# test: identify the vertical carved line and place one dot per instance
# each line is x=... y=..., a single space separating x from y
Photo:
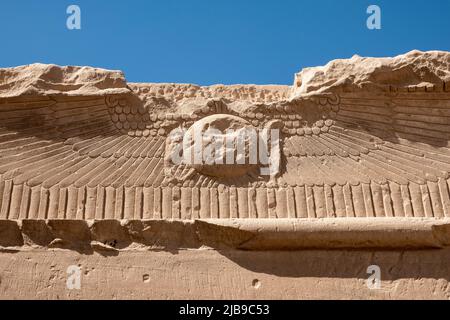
x=72 y=199
x=368 y=202
x=16 y=198
x=186 y=203
x=91 y=198
x=214 y=197
x=205 y=203
x=43 y=203
x=148 y=203
x=261 y=203
x=436 y=203
x=387 y=200
x=426 y=201
x=195 y=203
x=62 y=204
x=310 y=202
x=242 y=203
x=350 y=212
x=397 y=199
x=281 y=199
x=339 y=201
x=166 y=203
x=53 y=202
x=290 y=202
x=329 y=203
x=100 y=203
x=319 y=202
x=224 y=202
x=377 y=196
x=25 y=203
x=6 y=199
x=110 y=202
x=271 y=203
x=120 y=203
x=138 y=203
x=233 y=203
x=158 y=203
x=252 y=203
x=358 y=201
x=130 y=194
x=300 y=202
x=176 y=202
x=407 y=204
x=2 y=189
x=34 y=205
x=416 y=200
x=443 y=189
x=81 y=203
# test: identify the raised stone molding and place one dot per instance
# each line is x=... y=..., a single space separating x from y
x=89 y=236
x=361 y=139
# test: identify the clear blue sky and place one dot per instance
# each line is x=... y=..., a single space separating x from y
x=211 y=41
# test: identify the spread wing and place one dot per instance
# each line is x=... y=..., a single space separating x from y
x=73 y=142
x=383 y=155
x=56 y=152
x=343 y=156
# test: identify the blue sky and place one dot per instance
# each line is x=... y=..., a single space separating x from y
x=210 y=41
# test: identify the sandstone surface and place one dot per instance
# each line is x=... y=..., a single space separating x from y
x=356 y=174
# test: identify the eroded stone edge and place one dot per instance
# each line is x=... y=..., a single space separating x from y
x=113 y=236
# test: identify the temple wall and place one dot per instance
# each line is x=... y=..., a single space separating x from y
x=336 y=187
x=230 y=274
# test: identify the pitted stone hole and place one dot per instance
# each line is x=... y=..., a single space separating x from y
x=256 y=284
x=111 y=243
x=146 y=278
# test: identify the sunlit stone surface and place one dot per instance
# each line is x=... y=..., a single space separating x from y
x=362 y=162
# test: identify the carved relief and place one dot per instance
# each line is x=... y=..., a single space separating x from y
x=351 y=149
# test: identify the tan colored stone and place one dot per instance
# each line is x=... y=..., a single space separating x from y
x=415 y=69
x=363 y=163
x=43 y=79
x=234 y=275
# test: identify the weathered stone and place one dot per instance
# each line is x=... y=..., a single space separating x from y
x=360 y=160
